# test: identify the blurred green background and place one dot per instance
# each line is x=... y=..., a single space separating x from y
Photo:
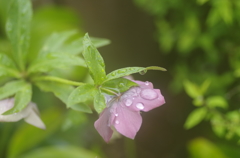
x=195 y=40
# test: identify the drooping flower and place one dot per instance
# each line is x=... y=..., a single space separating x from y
x=123 y=113
x=30 y=113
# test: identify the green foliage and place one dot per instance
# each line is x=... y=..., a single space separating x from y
x=36 y=56
x=18 y=29
x=61 y=91
x=111 y=84
x=203 y=36
x=94 y=61
x=51 y=117
x=131 y=70
x=195 y=117
x=217 y=101
x=11 y=88
x=82 y=94
x=60 y=152
x=7 y=67
x=21 y=100
x=118 y=85
x=202 y=148
x=99 y=102
x=54 y=56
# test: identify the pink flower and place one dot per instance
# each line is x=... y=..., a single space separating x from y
x=30 y=113
x=123 y=113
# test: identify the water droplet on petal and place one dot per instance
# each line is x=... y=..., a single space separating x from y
x=149 y=94
x=140 y=106
x=128 y=102
x=146 y=83
x=117 y=122
x=116 y=114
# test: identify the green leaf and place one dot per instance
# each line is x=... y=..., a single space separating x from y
x=60 y=152
x=203 y=148
x=225 y=10
x=191 y=89
x=21 y=100
x=234 y=116
x=199 y=101
x=195 y=117
x=118 y=85
x=55 y=61
x=18 y=28
x=81 y=107
x=11 y=88
x=131 y=70
x=32 y=136
x=74 y=119
x=55 y=54
x=82 y=94
x=76 y=46
x=201 y=2
x=216 y=101
x=7 y=67
x=99 y=42
x=62 y=91
x=204 y=87
x=94 y=61
x=99 y=102
x=54 y=42
x=218 y=125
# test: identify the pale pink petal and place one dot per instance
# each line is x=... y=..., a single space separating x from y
x=6 y=105
x=33 y=117
x=127 y=122
x=30 y=113
x=103 y=125
x=142 y=98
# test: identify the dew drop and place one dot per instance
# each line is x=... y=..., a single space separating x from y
x=140 y=106
x=117 y=122
x=143 y=72
x=121 y=85
x=113 y=74
x=149 y=94
x=116 y=114
x=128 y=102
x=122 y=71
x=146 y=83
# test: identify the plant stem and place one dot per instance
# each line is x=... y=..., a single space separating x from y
x=57 y=79
x=109 y=91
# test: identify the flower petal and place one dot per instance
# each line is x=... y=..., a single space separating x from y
x=143 y=98
x=33 y=117
x=127 y=122
x=102 y=125
x=30 y=113
x=6 y=105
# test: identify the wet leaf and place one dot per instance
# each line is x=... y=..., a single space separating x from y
x=94 y=61
x=11 y=88
x=118 y=85
x=18 y=29
x=99 y=102
x=82 y=94
x=21 y=99
x=131 y=70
